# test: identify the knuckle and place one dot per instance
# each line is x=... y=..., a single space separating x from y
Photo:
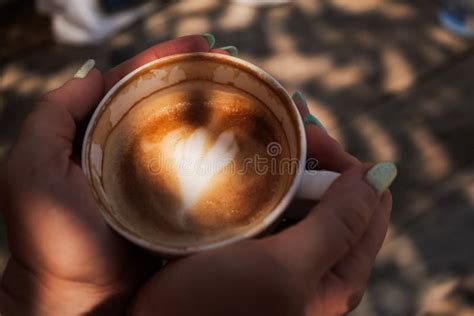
x=354 y=219
x=368 y=195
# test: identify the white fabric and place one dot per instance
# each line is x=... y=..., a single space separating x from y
x=83 y=22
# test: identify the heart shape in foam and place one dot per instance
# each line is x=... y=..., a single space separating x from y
x=196 y=163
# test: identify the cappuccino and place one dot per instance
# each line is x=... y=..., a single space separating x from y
x=190 y=164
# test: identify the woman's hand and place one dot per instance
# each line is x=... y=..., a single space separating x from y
x=65 y=260
x=319 y=266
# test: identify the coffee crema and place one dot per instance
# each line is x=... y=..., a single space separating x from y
x=190 y=164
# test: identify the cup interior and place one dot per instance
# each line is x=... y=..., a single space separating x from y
x=171 y=71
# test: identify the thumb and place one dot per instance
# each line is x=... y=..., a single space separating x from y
x=337 y=223
x=56 y=116
x=79 y=96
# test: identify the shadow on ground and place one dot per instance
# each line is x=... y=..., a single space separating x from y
x=389 y=83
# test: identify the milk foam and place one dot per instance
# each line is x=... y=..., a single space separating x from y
x=172 y=165
x=195 y=164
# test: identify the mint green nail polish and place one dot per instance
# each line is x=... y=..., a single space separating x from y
x=311 y=119
x=211 y=40
x=232 y=50
x=381 y=176
x=298 y=95
x=85 y=69
x=308 y=118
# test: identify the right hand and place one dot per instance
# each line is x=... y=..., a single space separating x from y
x=319 y=266
x=65 y=259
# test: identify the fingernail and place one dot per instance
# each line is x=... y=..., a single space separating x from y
x=381 y=176
x=211 y=40
x=232 y=50
x=311 y=119
x=308 y=118
x=298 y=95
x=85 y=69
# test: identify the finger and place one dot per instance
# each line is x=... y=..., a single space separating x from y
x=321 y=146
x=185 y=44
x=219 y=51
x=54 y=119
x=347 y=280
x=336 y=224
x=355 y=267
x=78 y=97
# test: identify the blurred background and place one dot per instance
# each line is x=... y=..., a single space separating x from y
x=391 y=80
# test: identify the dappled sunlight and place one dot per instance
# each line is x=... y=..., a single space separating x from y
x=399 y=75
x=282 y=45
x=277 y=19
x=30 y=85
x=401 y=251
x=434 y=160
x=397 y=10
x=311 y=7
x=445 y=297
x=344 y=77
x=237 y=17
x=192 y=25
x=445 y=38
x=194 y=7
x=302 y=69
x=20 y=80
x=379 y=142
x=329 y=119
x=359 y=6
x=435 y=297
x=11 y=75
x=386 y=80
x=157 y=24
x=17 y=79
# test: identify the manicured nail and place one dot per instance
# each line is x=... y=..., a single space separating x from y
x=85 y=69
x=308 y=118
x=211 y=40
x=232 y=50
x=381 y=176
x=298 y=95
x=311 y=119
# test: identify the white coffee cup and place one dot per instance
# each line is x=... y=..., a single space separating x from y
x=218 y=68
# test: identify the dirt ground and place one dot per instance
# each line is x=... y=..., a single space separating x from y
x=383 y=76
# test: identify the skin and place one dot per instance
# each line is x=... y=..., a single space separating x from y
x=65 y=260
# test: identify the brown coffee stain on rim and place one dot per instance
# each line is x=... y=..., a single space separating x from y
x=261 y=75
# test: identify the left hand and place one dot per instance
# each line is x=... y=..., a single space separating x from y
x=65 y=260
x=318 y=267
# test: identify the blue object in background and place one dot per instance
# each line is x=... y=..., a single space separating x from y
x=458 y=16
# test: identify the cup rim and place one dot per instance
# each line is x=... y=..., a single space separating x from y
x=269 y=219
